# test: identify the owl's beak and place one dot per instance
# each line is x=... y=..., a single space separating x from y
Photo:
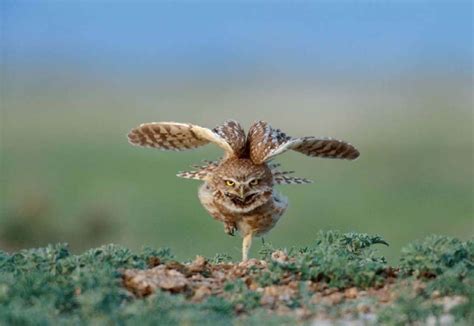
x=241 y=192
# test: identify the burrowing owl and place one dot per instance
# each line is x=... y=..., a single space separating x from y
x=238 y=189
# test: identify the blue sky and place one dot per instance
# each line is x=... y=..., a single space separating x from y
x=200 y=37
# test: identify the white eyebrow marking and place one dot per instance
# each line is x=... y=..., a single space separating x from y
x=251 y=179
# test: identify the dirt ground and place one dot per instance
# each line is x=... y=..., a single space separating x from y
x=307 y=300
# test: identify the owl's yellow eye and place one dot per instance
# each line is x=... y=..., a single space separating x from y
x=254 y=182
x=229 y=183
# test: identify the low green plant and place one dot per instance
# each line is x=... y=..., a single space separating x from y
x=340 y=259
x=447 y=263
x=437 y=255
x=53 y=286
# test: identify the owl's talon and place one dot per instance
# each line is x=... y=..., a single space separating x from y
x=230 y=229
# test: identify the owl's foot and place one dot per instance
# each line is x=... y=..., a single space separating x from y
x=230 y=229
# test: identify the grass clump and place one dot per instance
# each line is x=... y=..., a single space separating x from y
x=437 y=255
x=446 y=263
x=339 y=259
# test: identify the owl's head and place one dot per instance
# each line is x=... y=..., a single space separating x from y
x=242 y=185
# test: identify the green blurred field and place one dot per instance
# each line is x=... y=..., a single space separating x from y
x=69 y=175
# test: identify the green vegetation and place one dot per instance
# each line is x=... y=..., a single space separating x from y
x=339 y=276
x=340 y=260
x=446 y=266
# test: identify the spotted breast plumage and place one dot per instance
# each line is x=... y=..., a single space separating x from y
x=238 y=190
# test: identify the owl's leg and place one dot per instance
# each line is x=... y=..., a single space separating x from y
x=246 y=243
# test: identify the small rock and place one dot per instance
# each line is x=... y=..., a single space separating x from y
x=171 y=280
x=198 y=265
x=148 y=281
x=351 y=293
x=436 y=294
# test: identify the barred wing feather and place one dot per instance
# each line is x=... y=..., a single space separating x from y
x=266 y=142
x=183 y=136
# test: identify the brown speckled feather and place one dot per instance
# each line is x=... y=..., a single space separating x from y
x=167 y=136
x=266 y=142
x=181 y=136
x=325 y=147
x=234 y=135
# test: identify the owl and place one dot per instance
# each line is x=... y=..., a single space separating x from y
x=238 y=190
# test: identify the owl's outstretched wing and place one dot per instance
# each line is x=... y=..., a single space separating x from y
x=266 y=142
x=181 y=136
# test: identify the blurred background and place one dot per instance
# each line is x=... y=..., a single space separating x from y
x=392 y=77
